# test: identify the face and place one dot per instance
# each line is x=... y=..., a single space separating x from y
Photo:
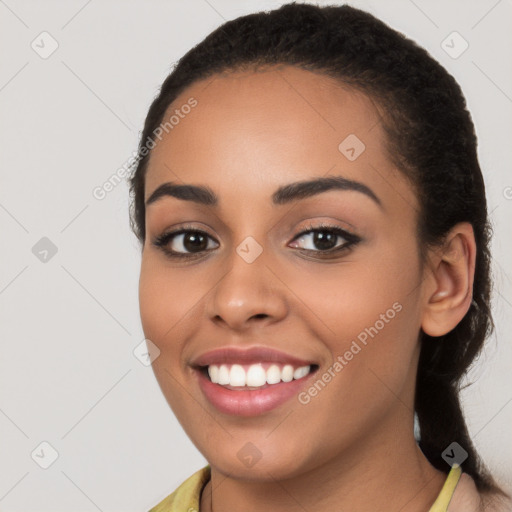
x=326 y=274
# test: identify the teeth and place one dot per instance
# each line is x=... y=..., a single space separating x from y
x=273 y=374
x=237 y=376
x=301 y=372
x=287 y=374
x=254 y=375
x=223 y=375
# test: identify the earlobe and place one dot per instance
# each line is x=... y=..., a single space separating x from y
x=450 y=282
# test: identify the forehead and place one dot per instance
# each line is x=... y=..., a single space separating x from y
x=260 y=129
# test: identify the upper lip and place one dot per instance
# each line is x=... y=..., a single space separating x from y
x=232 y=355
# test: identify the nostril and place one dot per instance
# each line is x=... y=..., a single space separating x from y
x=260 y=315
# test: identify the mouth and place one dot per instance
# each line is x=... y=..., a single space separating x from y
x=243 y=377
x=252 y=389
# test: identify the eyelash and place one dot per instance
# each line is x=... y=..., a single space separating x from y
x=351 y=240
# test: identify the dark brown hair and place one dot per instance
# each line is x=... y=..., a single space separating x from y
x=430 y=138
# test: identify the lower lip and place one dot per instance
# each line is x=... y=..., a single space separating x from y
x=250 y=402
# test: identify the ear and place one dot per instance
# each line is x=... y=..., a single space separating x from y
x=449 y=282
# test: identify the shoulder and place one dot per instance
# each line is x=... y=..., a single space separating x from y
x=187 y=495
x=466 y=497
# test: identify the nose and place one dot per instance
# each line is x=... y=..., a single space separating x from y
x=248 y=295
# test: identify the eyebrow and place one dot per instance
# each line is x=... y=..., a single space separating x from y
x=283 y=195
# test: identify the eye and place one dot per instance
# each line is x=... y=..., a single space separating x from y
x=325 y=239
x=185 y=242
x=190 y=242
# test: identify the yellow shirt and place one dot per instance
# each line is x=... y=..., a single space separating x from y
x=186 y=497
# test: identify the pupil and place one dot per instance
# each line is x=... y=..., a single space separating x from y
x=195 y=241
x=325 y=240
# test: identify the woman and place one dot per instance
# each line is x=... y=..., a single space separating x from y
x=315 y=267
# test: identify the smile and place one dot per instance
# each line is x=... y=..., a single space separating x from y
x=251 y=390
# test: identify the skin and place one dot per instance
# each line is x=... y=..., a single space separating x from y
x=250 y=133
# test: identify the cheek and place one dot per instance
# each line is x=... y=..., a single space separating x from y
x=167 y=302
x=169 y=299
x=352 y=296
x=367 y=314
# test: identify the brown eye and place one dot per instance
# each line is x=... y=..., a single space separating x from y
x=324 y=239
x=193 y=241
x=183 y=242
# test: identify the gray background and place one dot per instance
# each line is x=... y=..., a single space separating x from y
x=69 y=324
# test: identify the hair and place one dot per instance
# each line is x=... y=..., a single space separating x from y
x=430 y=138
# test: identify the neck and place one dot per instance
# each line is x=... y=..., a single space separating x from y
x=387 y=472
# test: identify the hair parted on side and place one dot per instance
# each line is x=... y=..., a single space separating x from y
x=430 y=138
